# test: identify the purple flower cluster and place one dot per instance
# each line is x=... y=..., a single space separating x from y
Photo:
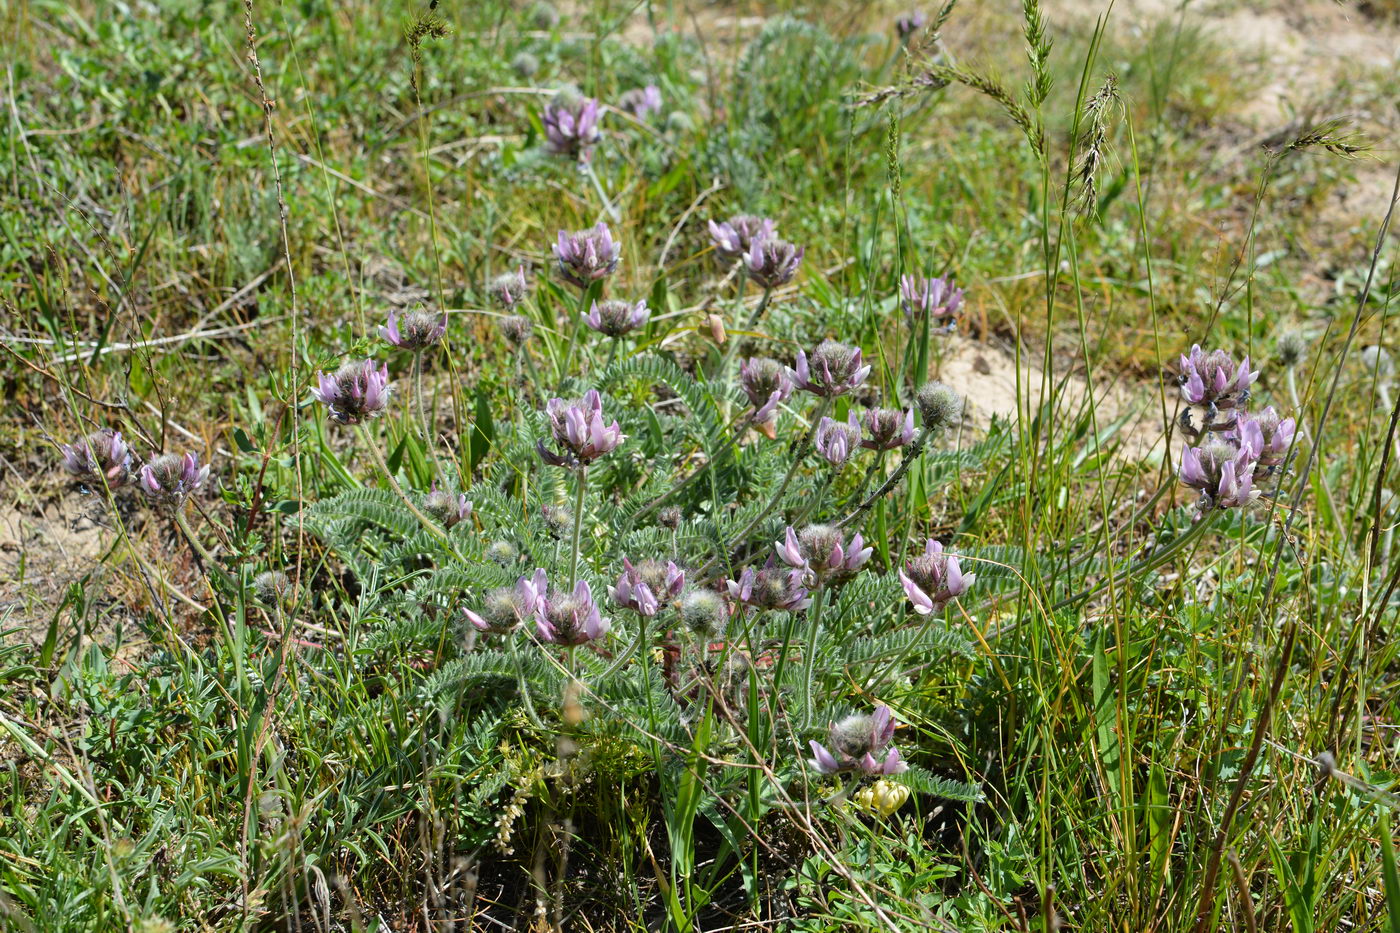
x=1230 y=468
x=772 y=587
x=771 y=262
x=561 y=618
x=418 y=330
x=837 y=440
x=1240 y=454
x=734 y=237
x=834 y=369
x=641 y=101
x=648 y=586
x=909 y=23
x=445 y=507
x=585 y=256
x=617 y=318
x=354 y=393
x=506 y=608
x=767 y=384
x=567 y=618
x=823 y=551
x=578 y=428
x=889 y=428
x=571 y=125
x=100 y=457
x=934 y=579
x=929 y=297
x=1215 y=382
x=858 y=744
x=509 y=288
x=170 y=479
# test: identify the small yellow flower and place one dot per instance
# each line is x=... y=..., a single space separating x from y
x=882 y=797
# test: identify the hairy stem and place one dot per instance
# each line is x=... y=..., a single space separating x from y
x=801 y=454
x=578 y=523
x=809 y=662
x=378 y=456
x=727 y=360
x=912 y=454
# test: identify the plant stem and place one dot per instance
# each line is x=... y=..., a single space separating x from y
x=728 y=359
x=809 y=661
x=428 y=441
x=801 y=454
x=608 y=207
x=433 y=527
x=199 y=549
x=626 y=655
x=915 y=450
x=578 y=523
x=577 y=332
x=524 y=687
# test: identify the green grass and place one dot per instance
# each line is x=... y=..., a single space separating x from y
x=176 y=753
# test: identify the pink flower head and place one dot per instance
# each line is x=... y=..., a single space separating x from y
x=508 y=606
x=571 y=125
x=579 y=429
x=445 y=507
x=930 y=297
x=617 y=318
x=767 y=384
x=836 y=440
x=772 y=587
x=100 y=457
x=909 y=23
x=170 y=479
x=1214 y=378
x=834 y=369
x=1223 y=469
x=934 y=579
x=509 y=288
x=418 y=330
x=584 y=256
x=771 y=262
x=641 y=101
x=569 y=618
x=860 y=743
x=733 y=238
x=822 y=550
x=648 y=586
x=889 y=428
x=1267 y=434
x=355 y=392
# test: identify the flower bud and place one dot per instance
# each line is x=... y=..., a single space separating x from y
x=272 y=588
x=1291 y=349
x=445 y=507
x=515 y=328
x=939 y=405
x=524 y=65
x=704 y=612
x=502 y=552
